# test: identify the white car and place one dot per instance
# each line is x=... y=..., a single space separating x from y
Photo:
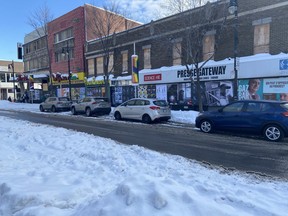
x=55 y=104
x=91 y=105
x=143 y=109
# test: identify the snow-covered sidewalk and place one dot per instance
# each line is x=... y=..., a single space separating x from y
x=53 y=171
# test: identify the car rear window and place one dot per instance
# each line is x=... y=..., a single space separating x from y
x=284 y=105
x=161 y=103
x=101 y=99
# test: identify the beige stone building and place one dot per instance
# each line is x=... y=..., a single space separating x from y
x=10 y=87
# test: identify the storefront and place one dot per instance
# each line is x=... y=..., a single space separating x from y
x=122 y=90
x=61 y=83
x=262 y=76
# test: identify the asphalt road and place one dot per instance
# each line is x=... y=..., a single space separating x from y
x=233 y=152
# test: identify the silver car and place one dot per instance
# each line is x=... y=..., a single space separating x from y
x=143 y=109
x=91 y=105
x=55 y=104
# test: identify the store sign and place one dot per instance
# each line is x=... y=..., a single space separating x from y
x=152 y=77
x=209 y=72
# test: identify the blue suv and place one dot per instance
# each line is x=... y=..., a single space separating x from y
x=264 y=117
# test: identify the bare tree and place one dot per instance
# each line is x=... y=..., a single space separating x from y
x=39 y=20
x=196 y=24
x=104 y=24
x=170 y=7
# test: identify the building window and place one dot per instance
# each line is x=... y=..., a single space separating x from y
x=99 y=62
x=111 y=63
x=124 y=61
x=63 y=35
x=177 y=53
x=261 y=38
x=208 y=46
x=61 y=53
x=262 y=35
x=91 y=67
x=147 y=56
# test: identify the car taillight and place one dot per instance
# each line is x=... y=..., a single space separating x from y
x=285 y=114
x=154 y=107
x=94 y=103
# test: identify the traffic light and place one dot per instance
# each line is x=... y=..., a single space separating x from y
x=19 y=50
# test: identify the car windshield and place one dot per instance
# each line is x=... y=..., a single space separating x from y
x=161 y=103
x=63 y=99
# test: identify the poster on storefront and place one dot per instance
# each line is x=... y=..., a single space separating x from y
x=218 y=93
x=161 y=92
x=250 y=89
x=276 y=89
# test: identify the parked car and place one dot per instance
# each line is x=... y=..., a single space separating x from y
x=143 y=109
x=266 y=118
x=91 y=105
x=55 y=104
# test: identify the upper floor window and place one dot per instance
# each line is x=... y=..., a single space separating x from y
x=91 y=67
x=208 y=46
x=147 y=56
x=124 y=61
x=99 y=62
x=63 y=35
x=261 y=35
x=177 y=53
x=111 y=63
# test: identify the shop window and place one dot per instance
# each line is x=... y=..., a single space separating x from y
x=177 y=52
x=2 y=77
x=147 y=57
x=261 y=36
x=208 y=46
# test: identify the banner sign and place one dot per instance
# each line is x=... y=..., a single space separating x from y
x=135 y=75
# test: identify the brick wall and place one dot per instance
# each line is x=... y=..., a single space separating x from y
x=159 y=33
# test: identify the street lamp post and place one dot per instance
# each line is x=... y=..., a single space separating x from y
x=13 y=74
x=66 y=51
x=233 y=9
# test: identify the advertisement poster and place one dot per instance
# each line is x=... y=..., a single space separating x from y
x=250 y=89
x=161 y=92
x=219 y=93
x=147 y=91
x=267 y=89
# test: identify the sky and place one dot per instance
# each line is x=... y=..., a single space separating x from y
x=46 y=170
x=14 y=18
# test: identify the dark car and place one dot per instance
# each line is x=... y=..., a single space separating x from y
x=91 y=105
x=266 y=118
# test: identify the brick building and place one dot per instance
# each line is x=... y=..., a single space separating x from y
x=64 y=46
x=192 y=37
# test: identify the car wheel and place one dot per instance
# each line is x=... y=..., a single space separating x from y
x=273 y=133
x=206 y=126
x=53 y=109
x=73 y=111
x=117 y=116
x=88 y=111
x=146 y=119
x=41 y=109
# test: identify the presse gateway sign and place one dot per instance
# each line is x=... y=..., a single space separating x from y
x=181 y=74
